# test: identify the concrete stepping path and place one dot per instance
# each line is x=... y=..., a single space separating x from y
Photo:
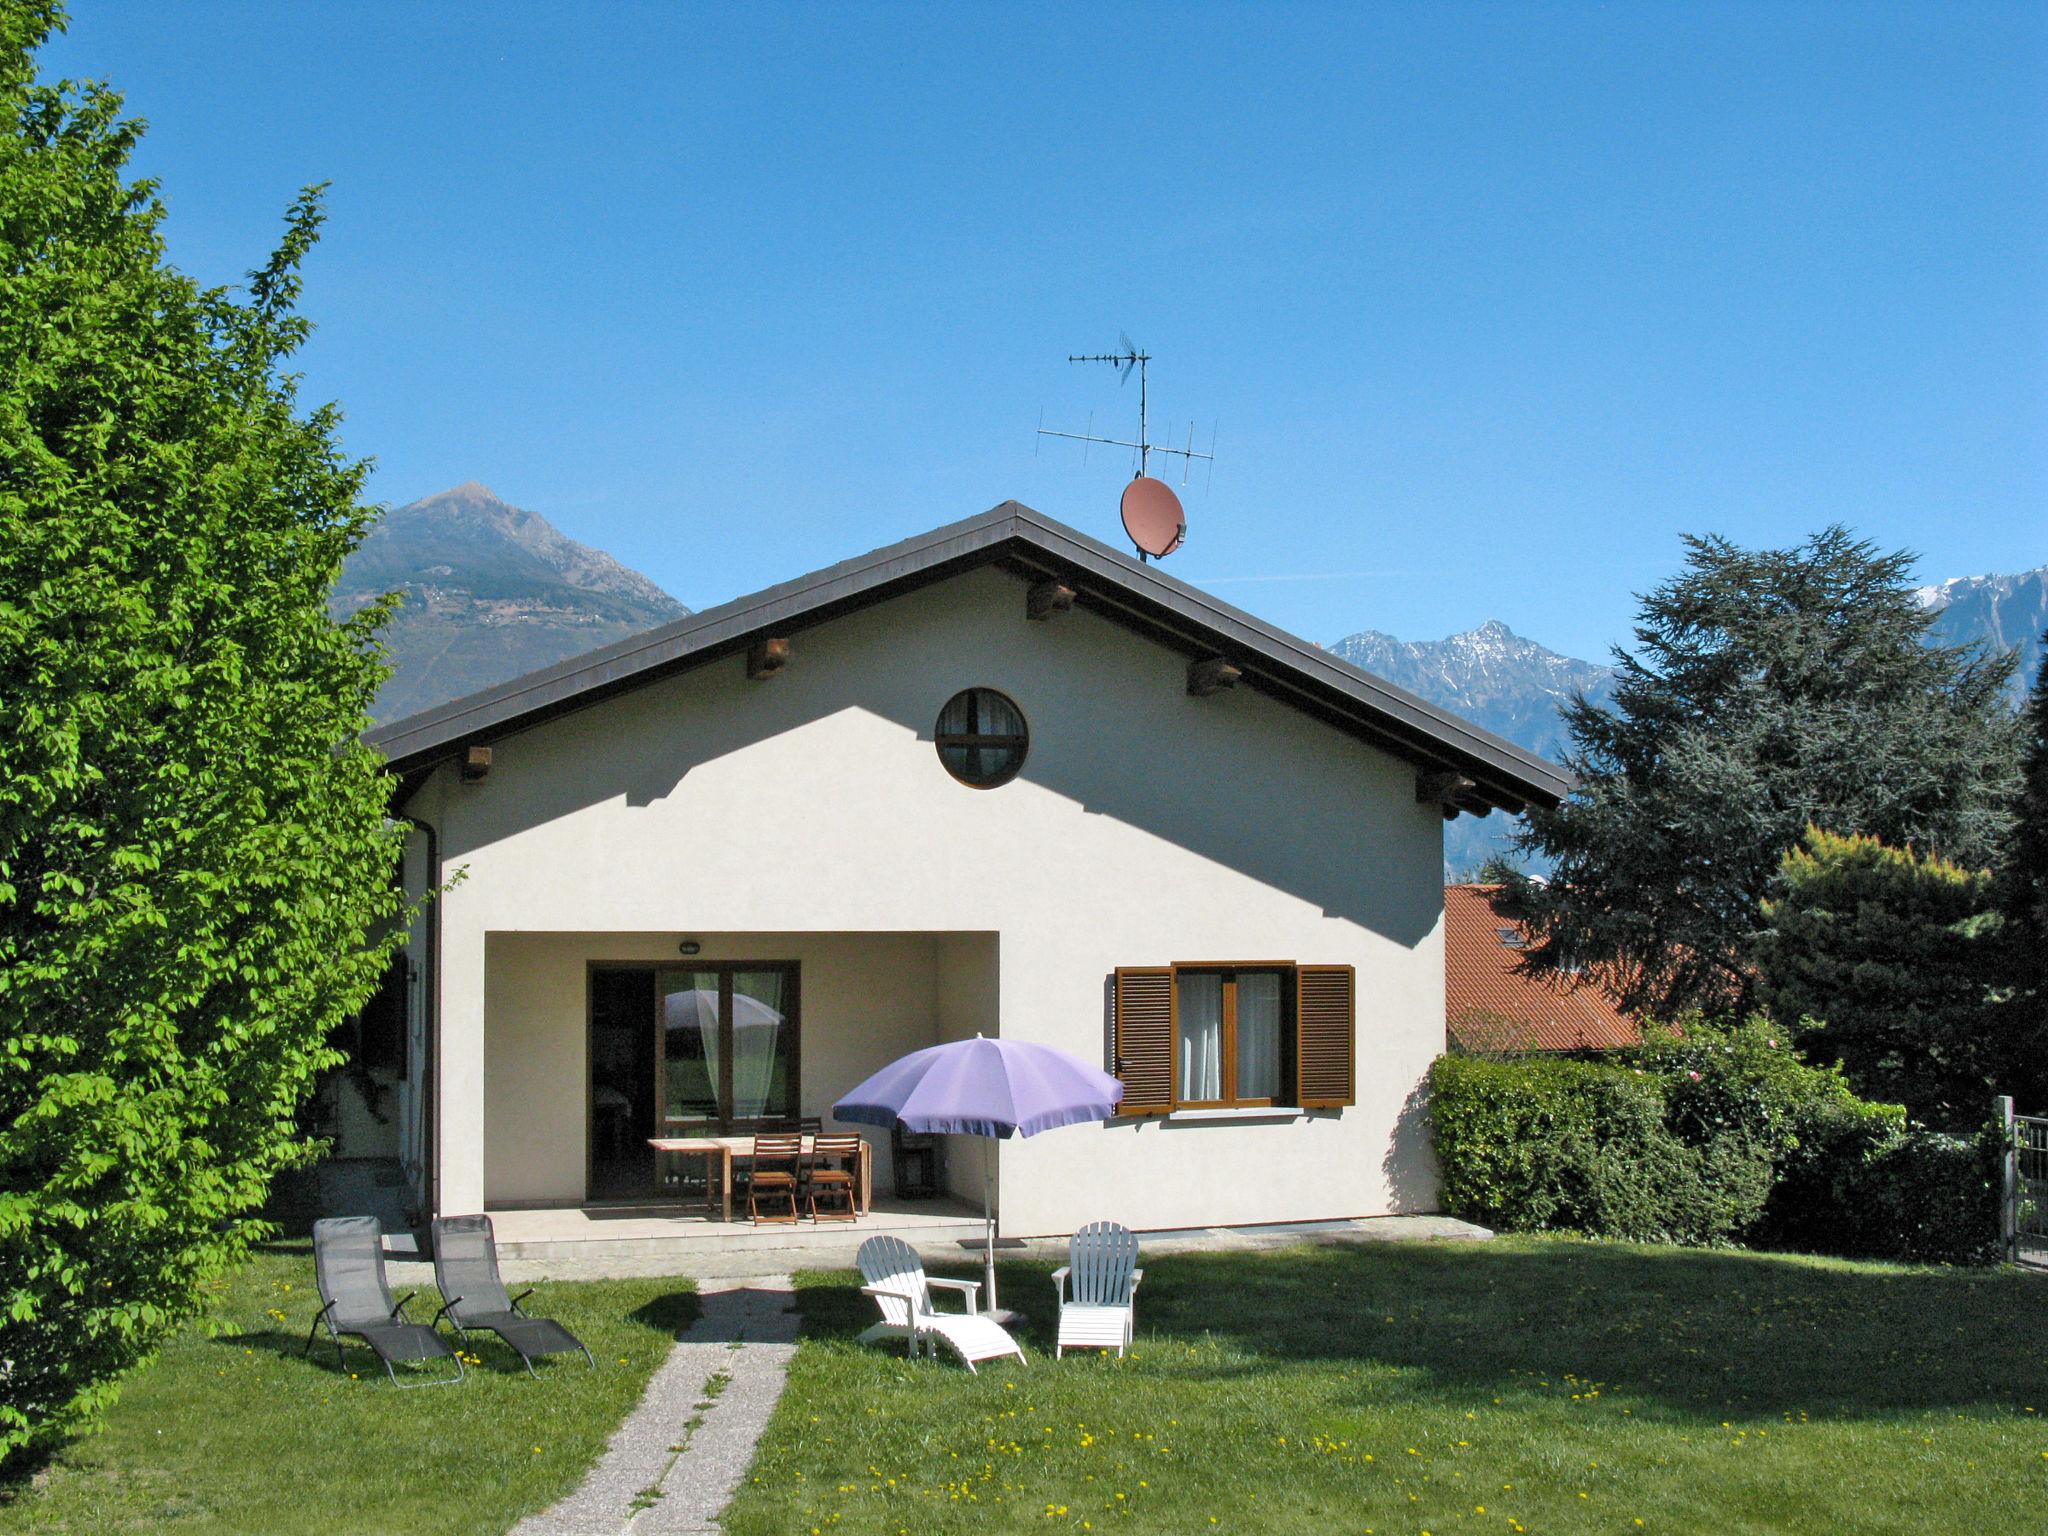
x=679 y=1457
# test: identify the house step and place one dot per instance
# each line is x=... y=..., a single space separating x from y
x=576 y=1234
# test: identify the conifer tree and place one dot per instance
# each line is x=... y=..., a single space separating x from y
x=1770 y=690
x=2023 y=896
x=1887 y=962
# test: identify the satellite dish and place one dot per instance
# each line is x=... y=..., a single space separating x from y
x=1153 y=518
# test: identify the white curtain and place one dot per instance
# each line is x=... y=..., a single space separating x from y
x=707 y=1031
x=756 y=1027
x=690 y=1013
x=1258 y=1035
x=1201 y=1036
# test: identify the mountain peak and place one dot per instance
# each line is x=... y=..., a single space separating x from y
x=1943 y=593
x=490 y=591
x=469 y=490
x=1499 y=679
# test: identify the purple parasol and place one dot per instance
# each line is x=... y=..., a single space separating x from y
x=983 y=1087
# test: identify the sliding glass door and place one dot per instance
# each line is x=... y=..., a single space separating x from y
x=726 y=1041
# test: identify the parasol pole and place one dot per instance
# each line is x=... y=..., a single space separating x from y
x=988 y=1215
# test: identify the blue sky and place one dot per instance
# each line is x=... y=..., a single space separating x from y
x=1489 y=303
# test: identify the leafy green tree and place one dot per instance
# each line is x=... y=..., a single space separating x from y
x=1771 y=690
x=193 y=852
x=1888 y=963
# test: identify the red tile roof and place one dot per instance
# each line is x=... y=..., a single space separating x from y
x=1487 y=1006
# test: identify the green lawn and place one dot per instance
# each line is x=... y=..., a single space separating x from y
x=1544 y=1386
x=231 y=1431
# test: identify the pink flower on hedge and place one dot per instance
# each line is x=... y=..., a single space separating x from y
x=1694 y=1076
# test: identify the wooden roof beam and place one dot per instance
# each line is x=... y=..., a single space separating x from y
x=1445 y=788
x=1048 y=599
x=767 y=657
x=1211 y=675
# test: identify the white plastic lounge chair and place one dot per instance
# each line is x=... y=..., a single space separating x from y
x=896 y=1279
x=1102 y=1265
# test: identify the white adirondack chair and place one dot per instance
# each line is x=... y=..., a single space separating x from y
x=1102 y=1272
x=896 y=1279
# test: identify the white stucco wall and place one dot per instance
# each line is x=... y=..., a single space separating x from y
x=1147 y=827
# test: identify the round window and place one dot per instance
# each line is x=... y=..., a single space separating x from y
x=981 y=737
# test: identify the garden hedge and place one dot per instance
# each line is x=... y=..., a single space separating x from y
x=1706 y=1136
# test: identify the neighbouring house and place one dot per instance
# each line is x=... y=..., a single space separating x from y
x=1489 y=1005
x=996 y=779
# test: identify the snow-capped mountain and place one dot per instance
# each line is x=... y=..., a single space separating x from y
x=1514 y=686
x=2005 y=612
x=1492 y=676
x=1495 y=678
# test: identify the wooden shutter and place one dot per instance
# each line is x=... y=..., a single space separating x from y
x=1144 y=1038
x=1325 y=1022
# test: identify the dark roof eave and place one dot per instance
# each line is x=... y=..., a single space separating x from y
x=1275 y=661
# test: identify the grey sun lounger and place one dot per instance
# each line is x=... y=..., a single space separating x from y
x=348 y=1266
x=466 y=1270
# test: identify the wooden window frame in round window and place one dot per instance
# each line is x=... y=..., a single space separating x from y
x=1018 y=742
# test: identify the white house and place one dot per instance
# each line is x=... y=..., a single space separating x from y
x=999 y=778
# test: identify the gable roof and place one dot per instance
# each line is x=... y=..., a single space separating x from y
x=1495 y=773
x=1489 y=1006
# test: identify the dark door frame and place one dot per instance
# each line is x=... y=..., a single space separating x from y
x=792 y=969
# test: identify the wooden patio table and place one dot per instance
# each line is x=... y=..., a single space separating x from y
x=723 y=1149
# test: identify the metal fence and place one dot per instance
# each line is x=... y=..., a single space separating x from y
x=2026 y=1186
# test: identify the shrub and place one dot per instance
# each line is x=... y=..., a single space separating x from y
x=1933 y=1197
x=1498 y=1127
x=1702 y=1136
x=1813 y=1204
x=1584 y=1146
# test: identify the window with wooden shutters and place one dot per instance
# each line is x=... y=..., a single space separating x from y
x=1144 y=1038
x=1234 y=1035
x=1325 y=1016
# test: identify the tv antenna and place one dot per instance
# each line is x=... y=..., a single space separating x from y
x=1152 y=513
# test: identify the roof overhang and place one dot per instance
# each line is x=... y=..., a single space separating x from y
x=1476 y=770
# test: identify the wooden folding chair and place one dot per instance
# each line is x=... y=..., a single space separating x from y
x=776 y=1170
x=835 y=1164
